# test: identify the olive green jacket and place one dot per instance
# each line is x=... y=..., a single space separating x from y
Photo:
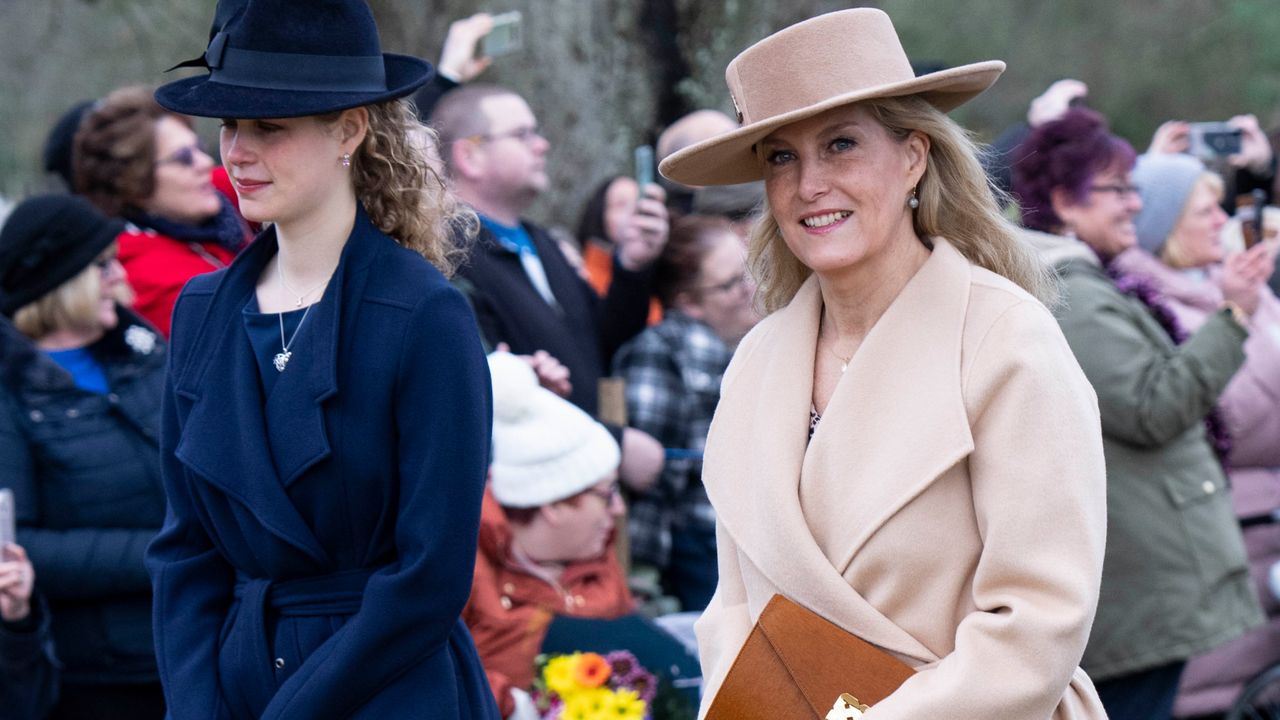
x=1174 y=579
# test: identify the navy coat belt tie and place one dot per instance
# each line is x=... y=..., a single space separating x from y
x=339 y=593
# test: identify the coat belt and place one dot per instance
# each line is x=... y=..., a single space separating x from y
x=246 y=668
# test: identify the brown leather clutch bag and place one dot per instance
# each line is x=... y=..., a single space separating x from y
x=796 y=664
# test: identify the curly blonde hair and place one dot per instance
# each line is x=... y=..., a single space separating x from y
x=404 y=195
x=957 y=202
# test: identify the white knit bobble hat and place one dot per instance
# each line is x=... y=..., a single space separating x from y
x=544 y=448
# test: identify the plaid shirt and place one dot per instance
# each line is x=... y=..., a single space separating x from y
x=672 y=372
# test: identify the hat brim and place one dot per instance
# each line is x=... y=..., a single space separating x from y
x=728 y=159
x=203 y=97
x=76 y=259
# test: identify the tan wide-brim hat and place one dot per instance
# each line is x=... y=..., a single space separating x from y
x=809 y=68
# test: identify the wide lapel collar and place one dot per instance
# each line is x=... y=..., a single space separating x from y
x=759 y=440
x=295 y=409
x=224 y=439
x=897 y=420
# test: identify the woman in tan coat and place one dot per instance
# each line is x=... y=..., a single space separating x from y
x=906 y=445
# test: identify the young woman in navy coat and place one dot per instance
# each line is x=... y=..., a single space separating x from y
x=326 y=423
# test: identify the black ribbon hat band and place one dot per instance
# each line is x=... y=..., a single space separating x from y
x=288 y=71
x=293 y=71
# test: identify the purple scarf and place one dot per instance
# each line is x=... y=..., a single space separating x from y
x=1142 y=288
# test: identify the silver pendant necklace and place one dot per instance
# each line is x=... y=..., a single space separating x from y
x=281 y=360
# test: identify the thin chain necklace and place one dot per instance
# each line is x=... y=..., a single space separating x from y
x=300 y=296
x=844 y=361
x=281 y=360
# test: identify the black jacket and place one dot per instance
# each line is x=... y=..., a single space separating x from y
x=85 y=472
x=28 y=670
x=582 y=333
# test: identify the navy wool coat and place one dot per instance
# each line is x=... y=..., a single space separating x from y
x=319 y=544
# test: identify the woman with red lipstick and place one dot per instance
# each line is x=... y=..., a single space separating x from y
x=326 y=424
x=138 y=161
x=1175 y=580
x=905 y=445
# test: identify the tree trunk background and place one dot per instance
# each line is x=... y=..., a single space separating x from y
x=606 y=75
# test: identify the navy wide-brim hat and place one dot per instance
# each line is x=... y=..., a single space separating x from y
x=292 y=58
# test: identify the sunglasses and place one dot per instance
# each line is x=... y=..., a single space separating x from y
x=184 y=156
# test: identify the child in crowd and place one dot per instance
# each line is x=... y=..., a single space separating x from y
x=546 y=528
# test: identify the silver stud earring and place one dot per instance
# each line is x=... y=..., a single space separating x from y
x=346 y=159
x=913 y=202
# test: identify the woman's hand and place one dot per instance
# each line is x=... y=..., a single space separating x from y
x=1255 y=149
x=645 y=233
x=458 y=59
x=1054 y=102
x=552 y=374
x=1173 y=136
x=17 y=579
x=1244 y=274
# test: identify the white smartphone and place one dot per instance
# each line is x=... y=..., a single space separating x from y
x=8 y=529
x=505 y=37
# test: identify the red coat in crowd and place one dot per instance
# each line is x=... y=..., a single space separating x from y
x=510 y=610
x=158 y=266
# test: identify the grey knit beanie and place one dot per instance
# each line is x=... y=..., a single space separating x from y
x=1165 y=181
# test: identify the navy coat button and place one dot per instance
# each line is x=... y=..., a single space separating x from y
x=73 y=413
x=113 y=398
x=36 y=416
x=279 y=663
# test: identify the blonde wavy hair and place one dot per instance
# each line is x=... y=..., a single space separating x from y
x=73 y=305
x=957 y=202
x=405 y=196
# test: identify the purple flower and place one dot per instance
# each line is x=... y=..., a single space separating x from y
x=622 y=662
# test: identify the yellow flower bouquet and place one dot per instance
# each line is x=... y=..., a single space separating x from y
x=589 y=686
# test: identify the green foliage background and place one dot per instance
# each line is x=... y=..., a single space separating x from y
x=604 y=75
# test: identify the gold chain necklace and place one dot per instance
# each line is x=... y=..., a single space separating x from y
x=844 y=361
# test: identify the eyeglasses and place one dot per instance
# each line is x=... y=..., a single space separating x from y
x=106 y=264
x=1119 y=189
x=607 y=495
x=184 y=156
x=525 y=135
x=734 y=283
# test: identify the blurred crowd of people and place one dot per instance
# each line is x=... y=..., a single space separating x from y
x=610 y=335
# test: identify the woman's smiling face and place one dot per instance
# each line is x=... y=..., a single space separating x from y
x=838 y=185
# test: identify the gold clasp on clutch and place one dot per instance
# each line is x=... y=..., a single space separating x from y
x=847 y=707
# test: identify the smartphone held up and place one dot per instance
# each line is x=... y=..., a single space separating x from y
x=506 y=37
x=1209 y=140
x=8 y=522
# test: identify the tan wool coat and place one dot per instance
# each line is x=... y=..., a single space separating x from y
x=950 y=508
